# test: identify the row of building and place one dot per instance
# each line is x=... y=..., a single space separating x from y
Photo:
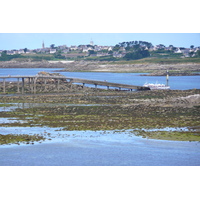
x=96 y=49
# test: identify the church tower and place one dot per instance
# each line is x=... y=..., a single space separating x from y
x=43 y=45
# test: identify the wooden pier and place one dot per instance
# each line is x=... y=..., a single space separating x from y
x=32 y=82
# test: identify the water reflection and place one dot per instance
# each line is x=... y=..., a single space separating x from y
x=97 y=148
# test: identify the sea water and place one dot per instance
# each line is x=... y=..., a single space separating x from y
x=175 y=82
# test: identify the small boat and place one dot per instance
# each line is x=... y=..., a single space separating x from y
x=156 y=86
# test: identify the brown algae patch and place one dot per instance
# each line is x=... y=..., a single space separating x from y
x=5 y=105
x=170 y=135
x=113 y=117
x=20 y=138
x=118 y=111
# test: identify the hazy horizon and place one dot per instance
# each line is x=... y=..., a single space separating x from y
x=10 y=41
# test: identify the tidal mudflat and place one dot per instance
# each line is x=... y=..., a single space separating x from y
x=101 y=127
x=147 y=113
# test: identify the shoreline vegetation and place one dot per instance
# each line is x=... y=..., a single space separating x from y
x=146 y=113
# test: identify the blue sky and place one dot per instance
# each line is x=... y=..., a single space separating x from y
x=34 y=40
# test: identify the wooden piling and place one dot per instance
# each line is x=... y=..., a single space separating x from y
x=18 y=91
x=22 y=85
x=58 y=85
x=4 y=85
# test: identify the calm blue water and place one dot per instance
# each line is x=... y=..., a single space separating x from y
x=97 y=148
x=24 y=71
x=175 y=82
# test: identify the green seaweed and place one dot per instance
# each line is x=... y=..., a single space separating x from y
x=118 y=111
x=20 y=138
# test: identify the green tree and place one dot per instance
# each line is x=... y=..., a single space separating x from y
x=198 y=53
x=136 y=47
x=162 y=46
x=137 y=54
x=4 y=53
x=116 y=47
x=191 y=53
x=52 y=46
x=4 y=56
x=91 y=52
x=192 y=46
x=58 y=55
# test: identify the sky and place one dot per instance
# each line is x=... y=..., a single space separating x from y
x=10 y=41
x=77 y=22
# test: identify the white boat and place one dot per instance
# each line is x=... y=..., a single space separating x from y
x=156 y=86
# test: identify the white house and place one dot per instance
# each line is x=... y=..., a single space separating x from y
x=110 y=48
x=52 y=50
x=186 y=52
x=10 y=52
x=97 y=48
x=86 y=49
x=20 y=51
x=178 y=50
x=62 y=47
x=195 y=49
x=73 y=48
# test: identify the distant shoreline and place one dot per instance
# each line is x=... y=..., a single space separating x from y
x=153 y=69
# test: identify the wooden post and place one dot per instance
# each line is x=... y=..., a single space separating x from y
x=45 y=84
x=70 y=81
x=29 y=82
x=58 y=84
x=34 y=85
x=167 y=78
x=22 y=85
x=18 y=85
x=4 y=85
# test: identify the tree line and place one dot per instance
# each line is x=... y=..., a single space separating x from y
x=134 y=49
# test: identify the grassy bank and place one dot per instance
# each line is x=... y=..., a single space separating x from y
x=154 y=60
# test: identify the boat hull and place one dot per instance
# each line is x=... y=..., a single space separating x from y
x=157 y=86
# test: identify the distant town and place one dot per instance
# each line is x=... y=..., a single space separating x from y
x=125 y=50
